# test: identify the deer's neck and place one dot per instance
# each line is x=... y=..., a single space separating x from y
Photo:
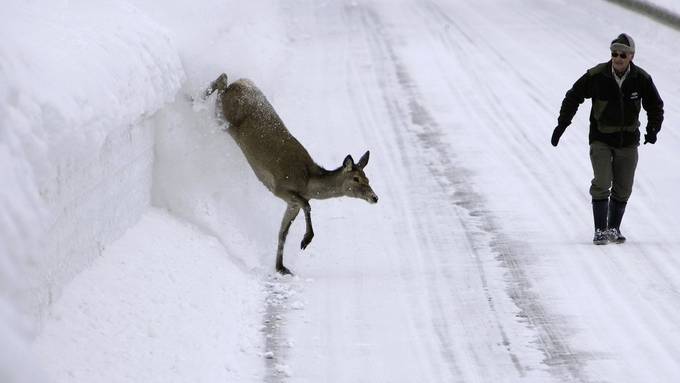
x=325 y=184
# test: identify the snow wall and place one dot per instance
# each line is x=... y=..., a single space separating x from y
x=96 y=125
x=79 y=84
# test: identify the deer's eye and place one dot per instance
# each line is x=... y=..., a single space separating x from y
x=357 y=179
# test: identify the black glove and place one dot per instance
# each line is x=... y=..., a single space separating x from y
x=557 y=133
x=650 y=137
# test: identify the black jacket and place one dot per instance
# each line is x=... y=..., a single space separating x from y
x=614 y=116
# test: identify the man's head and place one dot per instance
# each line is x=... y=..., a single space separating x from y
x=623 y=50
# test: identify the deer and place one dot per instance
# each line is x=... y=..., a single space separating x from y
x=281 y=162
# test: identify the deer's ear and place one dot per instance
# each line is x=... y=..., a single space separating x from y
x=363 y=161
x=348 y=163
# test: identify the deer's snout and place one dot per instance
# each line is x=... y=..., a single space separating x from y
x=372 y=198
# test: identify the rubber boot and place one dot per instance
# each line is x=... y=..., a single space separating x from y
x=616 y=210
x=600 y=208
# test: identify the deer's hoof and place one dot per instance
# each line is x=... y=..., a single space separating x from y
x=306 y=240
x=283 y=270
x=222 y=82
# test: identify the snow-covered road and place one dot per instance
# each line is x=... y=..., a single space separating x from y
x=477 y=263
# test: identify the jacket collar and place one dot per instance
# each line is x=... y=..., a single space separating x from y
x=632 y=72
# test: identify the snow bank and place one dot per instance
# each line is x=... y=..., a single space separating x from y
x=181 y=312
x=81 y=85
x=78 y=81
x=239 y=38
x=200 y=174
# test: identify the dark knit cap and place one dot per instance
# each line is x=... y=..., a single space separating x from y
x=623 y=43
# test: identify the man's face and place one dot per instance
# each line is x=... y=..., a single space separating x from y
x=620 y=60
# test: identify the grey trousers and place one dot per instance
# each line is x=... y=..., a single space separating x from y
x=613 y=168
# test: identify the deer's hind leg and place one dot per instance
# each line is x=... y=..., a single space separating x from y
x=291 y=212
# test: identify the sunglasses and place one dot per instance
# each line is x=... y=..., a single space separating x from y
x=617 y=54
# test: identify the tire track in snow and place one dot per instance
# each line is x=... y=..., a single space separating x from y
x=420 y=117
x=371 y=28
x=273 y=329
x=563 y=362
x=527 y=156
x=281 y=294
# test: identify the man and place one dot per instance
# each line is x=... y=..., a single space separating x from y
x=618 y=88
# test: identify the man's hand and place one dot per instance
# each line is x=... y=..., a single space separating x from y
x=557 y=133
x=650 y=137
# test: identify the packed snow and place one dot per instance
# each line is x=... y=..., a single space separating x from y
x=177 y=291
x=136 y=243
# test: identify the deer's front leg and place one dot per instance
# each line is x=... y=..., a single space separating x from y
x=296 y=199
x=288 y=217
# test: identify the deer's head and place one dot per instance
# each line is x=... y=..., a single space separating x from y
x=355 y=183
